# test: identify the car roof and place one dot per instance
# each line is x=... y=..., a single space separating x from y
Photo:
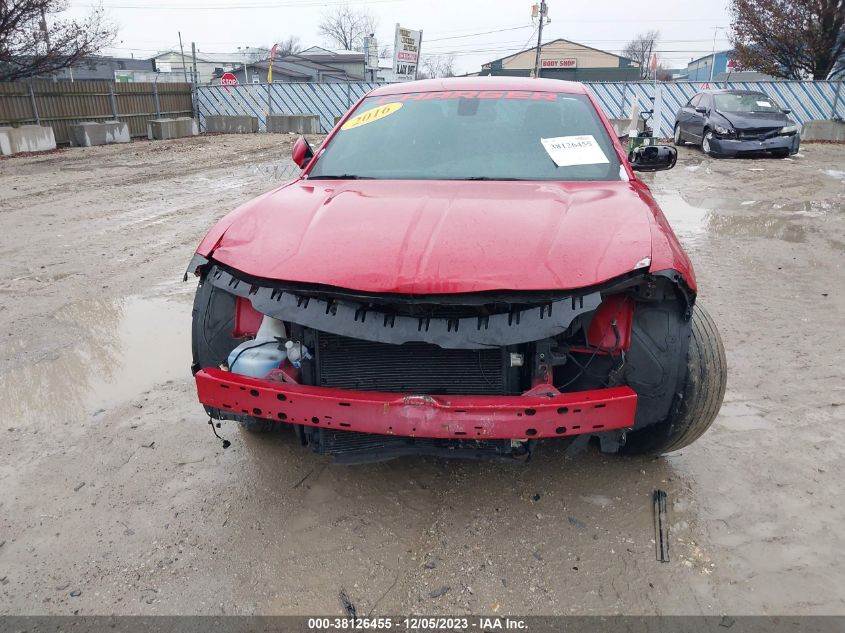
x=482 y=83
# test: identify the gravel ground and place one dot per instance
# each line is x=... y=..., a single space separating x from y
x=116 y=498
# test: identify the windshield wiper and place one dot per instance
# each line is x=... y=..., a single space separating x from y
x=340 y=177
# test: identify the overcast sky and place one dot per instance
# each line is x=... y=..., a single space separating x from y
x=449 y=26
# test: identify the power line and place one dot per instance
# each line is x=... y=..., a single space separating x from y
x=236 y=7
x=456 y=37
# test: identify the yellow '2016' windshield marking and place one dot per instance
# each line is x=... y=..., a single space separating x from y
x=371 y=115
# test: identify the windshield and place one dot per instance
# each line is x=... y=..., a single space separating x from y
x=472 y=135
x=745 y=102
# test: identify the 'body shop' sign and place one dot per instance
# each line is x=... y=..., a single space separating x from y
x=569 y=62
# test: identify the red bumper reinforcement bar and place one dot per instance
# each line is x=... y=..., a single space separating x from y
x=489 y=417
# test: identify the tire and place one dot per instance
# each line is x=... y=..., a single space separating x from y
x=211 y=342
x=698 y=403
x=677 y=136
x=705 y=143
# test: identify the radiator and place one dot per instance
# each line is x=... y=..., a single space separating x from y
x=418 y=368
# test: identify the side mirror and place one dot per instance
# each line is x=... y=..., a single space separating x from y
x=653 y=158
x=701 y=110
x=301 y=153
x=786 y=111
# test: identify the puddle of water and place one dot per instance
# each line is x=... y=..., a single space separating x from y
x=765 y=225
x=834 y=173
x=126 y=348
x=687 y=221
x=690 y=219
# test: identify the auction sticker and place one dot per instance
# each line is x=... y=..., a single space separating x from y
x=566 y=151
x=371 y=115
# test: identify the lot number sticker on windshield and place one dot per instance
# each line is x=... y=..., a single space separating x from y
x=371 y=115
x=567 y=151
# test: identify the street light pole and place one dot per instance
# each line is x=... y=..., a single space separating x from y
x=713 y=54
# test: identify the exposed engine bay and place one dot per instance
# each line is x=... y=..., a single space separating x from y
x=625 y=333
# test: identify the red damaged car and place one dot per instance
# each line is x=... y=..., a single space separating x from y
x=464 y=267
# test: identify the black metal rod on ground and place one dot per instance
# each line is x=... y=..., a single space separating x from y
x=661 y=526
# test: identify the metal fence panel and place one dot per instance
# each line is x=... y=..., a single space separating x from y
x=328 y=100
x=808 y=100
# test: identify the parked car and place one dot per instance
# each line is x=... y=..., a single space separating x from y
x=736 y=122
x=464 y=267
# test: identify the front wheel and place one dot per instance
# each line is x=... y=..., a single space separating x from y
x=700 y=399
x=212 y=340
x=677 y=136
x=706 y=146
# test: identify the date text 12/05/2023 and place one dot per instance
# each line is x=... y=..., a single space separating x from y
x=418 y=623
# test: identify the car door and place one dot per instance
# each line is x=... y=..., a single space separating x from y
x=699 y=118
x=686 y=114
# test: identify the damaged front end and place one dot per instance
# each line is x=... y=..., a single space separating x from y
x=367 y=377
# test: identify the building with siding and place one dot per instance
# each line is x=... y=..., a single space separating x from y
x=103 y=68
x=208 y=67
x=564 y=59
x=723 y=69
x=350 y=62
x=315 y=64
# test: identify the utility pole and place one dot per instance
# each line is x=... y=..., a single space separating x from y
x=194 y=57
x=544 y=9
x=182 y=49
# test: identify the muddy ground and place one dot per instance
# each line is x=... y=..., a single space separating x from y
x=116 y=498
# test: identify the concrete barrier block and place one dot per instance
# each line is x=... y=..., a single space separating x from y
x=823 y=131
x=180 y=127
x=88 y=134
x=26 y=138
x=5 y=142
x=293 y=123
x=231 y=124
x=623 y=126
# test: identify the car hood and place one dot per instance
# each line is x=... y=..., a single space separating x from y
x=746 y=120
x=427 y=237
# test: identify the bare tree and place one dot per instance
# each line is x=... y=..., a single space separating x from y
x=663 y=73
x=436 y=66
x=288 y=46
x=285 y=46
x=255 y=53
x=640 y=50
x=346 y=27
x=33 y=41
x=794 y=39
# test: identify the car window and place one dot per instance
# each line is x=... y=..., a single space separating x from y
x=467 y=135
x=745 y=102
x=694 y=101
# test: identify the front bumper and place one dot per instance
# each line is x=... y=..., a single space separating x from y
x=732 y=147
x=529 y=416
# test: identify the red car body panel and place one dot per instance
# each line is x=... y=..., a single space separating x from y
x=447 y=417
x=433 y=237
x=438 y=237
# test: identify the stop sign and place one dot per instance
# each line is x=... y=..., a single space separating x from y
x=228 y=79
